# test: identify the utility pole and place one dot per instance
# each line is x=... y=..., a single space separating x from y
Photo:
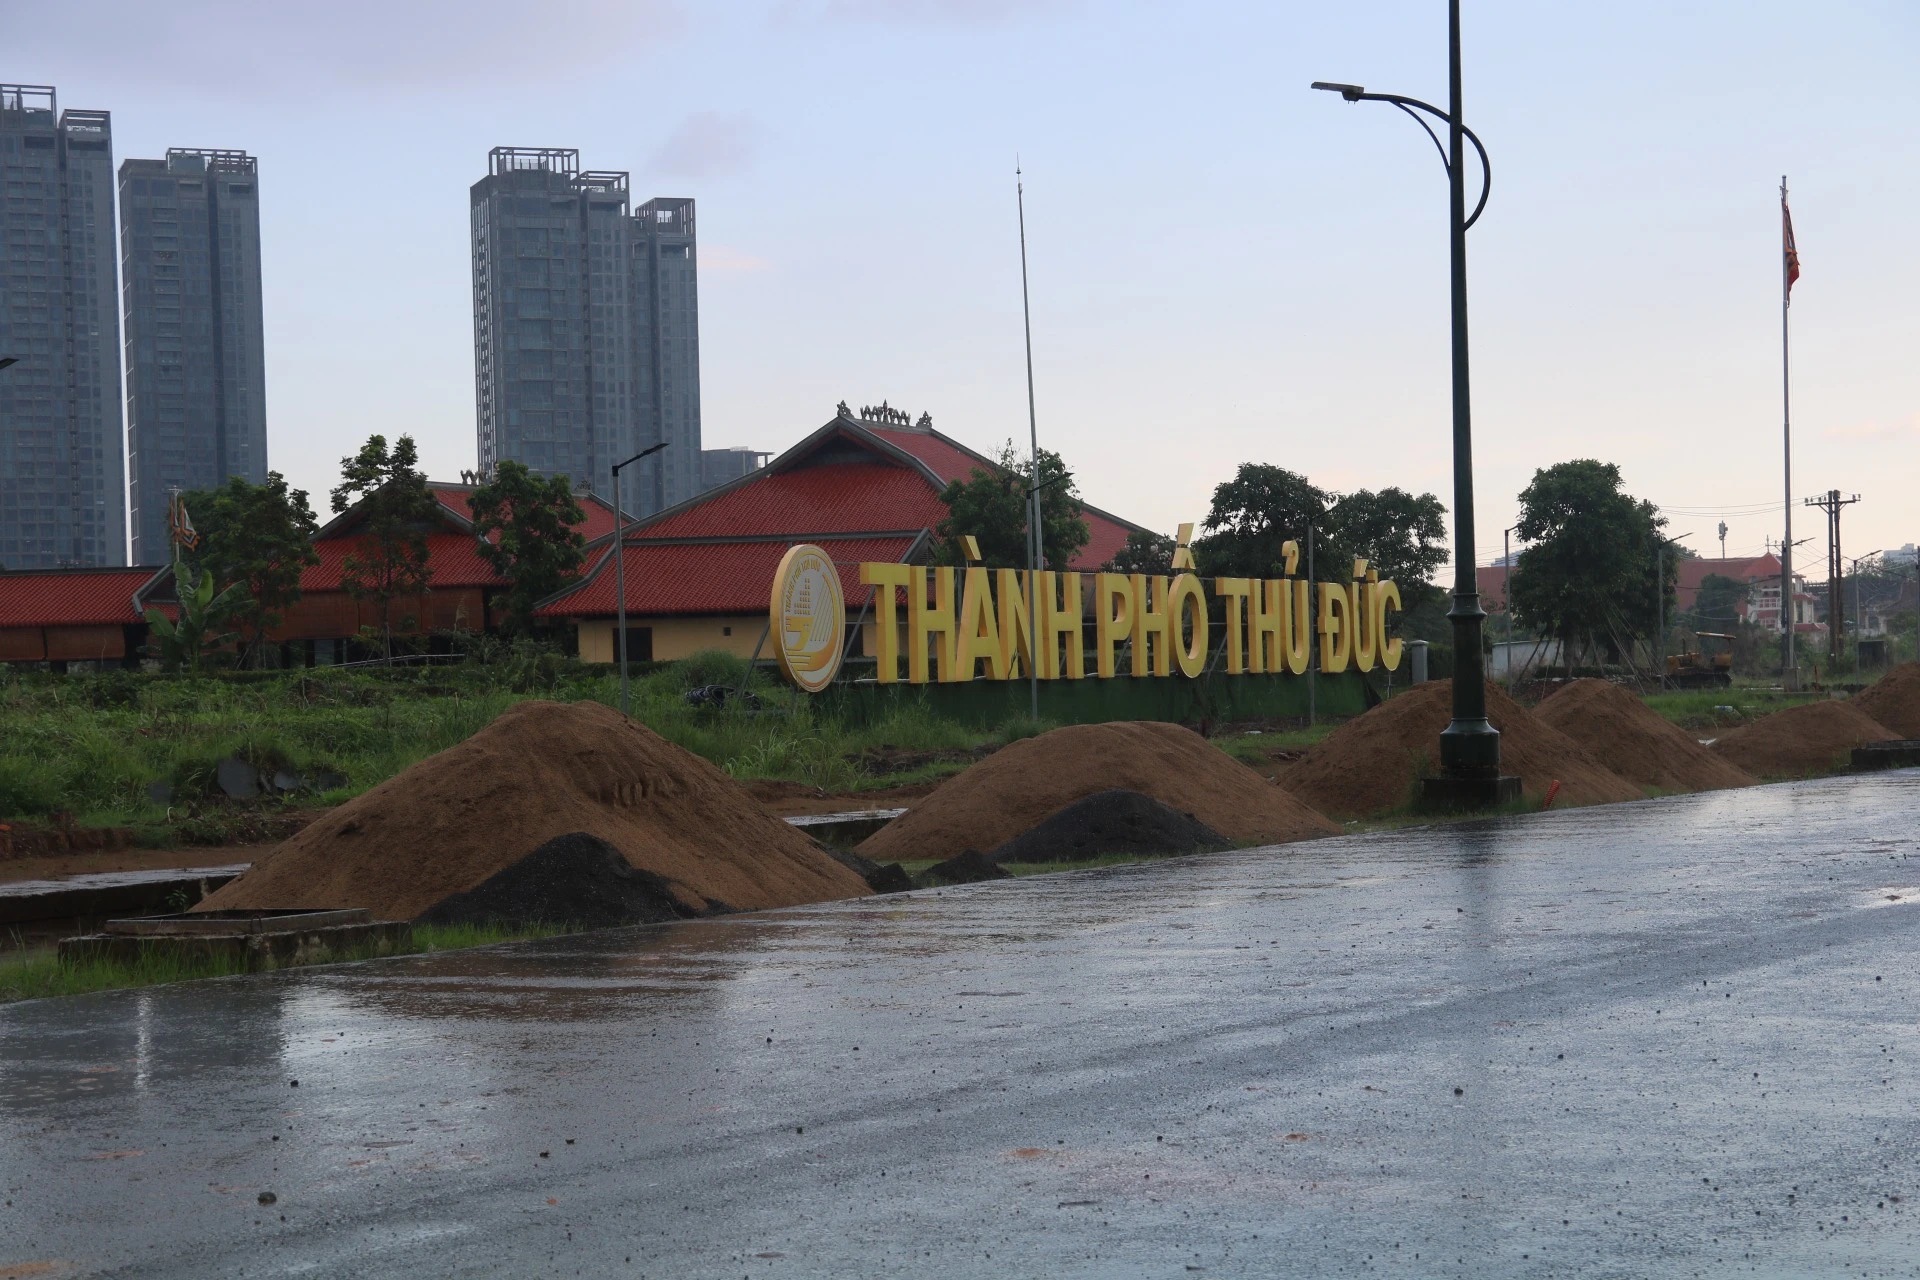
x=1723 y=539
x=1831 y=502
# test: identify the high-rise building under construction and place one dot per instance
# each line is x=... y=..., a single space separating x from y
x=585 y=327
x=62 y=478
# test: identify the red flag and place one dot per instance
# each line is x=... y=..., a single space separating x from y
x=1786 y=230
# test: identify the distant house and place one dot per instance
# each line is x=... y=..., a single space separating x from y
x=97 y=616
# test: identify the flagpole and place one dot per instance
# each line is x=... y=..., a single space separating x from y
x=1036 y=542
x=1789 y=669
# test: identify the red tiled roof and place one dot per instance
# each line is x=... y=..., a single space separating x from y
x=945 y=459
x=831 y=498
x=71 y=597
x=951 y=461
x=713 y=577
x=453 y=557
x=599 y=521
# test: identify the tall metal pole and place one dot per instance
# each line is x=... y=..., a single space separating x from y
x=1789 y=669
x=1470 y=745
x=620 y=563
x=1660 y=609
x=1035 y=545
x=1312 y=689
x=620 y=585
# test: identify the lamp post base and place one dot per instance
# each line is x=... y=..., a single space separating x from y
x=1449 y=793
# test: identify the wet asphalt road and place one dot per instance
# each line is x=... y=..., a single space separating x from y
x=1670 y=1038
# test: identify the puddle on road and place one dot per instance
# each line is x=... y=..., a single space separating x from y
x=1892 y=897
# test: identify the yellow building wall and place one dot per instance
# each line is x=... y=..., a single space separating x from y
x=677 y=637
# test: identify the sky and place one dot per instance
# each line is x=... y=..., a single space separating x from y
x=1225 y=266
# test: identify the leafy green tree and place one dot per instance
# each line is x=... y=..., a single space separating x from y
x=527 y=531
x=1253 y=515
x=1402 y=535
x=398 y=510
x=1714 y=605
x=1150 y=553
x=1263 y=507
x=183 y=642
x=992 y=506
x=1588 y=573
x=259 y=536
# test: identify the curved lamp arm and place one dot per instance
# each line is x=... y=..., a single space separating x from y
x=1354 y=93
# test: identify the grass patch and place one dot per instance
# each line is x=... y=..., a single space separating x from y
x=38 y=975
x=1256 y=749
x=1699 y=710
x=99 y=747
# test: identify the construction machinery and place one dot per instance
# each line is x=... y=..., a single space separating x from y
x=1709 y=667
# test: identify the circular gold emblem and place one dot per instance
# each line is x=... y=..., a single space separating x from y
x=808 y=621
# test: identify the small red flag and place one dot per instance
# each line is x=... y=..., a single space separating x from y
x=1786 y=230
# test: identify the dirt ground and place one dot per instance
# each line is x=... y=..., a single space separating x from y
x=78 y=864
x=796 y=799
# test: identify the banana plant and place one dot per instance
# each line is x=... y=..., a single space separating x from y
x=184 y=642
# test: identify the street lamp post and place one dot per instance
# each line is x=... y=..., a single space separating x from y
x=620 y=563
x=1470 y=776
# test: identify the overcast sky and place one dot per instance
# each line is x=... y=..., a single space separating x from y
x=1226 y=267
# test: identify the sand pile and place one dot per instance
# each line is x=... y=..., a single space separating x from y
x=1816 y=737
x=1369 y=763
x=1635 y=741
x=545 y=769
x=1111 y=822
x=1894 y=700
x=1027 y=782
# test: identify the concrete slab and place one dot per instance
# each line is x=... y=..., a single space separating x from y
x=1675 y=1037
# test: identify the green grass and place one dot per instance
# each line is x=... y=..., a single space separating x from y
x=1252 y=748
x=91 y=746
x=1697 y=709
x=36 y=975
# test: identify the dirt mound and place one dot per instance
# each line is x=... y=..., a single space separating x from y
x=1814 y=738
x=1369 y=763
x=1026 y=782
x=969 y=866
x=574 y=879
x=1894 y=700
x=1637 y=742
x=1111 y=822
x=544 y=769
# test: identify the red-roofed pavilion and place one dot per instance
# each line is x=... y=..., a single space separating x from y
x=699 y=575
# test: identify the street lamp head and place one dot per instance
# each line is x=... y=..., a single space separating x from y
x=1351 y=92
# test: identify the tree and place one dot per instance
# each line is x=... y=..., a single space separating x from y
x=1401 y=535
x=538 y=547
x=1149 y=553
x=1588 y=574
x=992 y=506
x=1253 y=515
x=1263 y=507
x=1715 y=604
x=397 y=510
x=184 y=641
x=259 y=536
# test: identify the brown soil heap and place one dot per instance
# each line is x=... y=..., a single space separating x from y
x=1895 y=700
x=1637 y=742
x=1369 y=763
x=541 y=770
x=1026 y=782
x=1813 y=738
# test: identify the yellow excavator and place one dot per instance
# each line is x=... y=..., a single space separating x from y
x=1710 y=667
